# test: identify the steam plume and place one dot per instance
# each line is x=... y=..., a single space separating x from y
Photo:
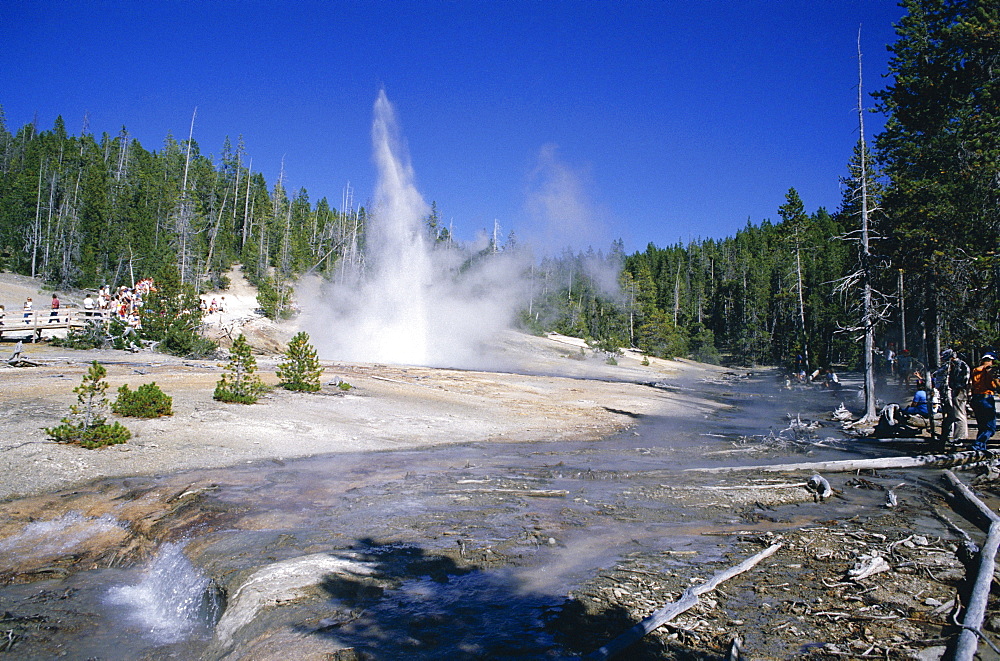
x=413 y=302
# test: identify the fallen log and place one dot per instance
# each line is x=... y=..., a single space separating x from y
x=971 y=498
x=533 y=493
x=687 y=601
x=744 y=487
x=847 y=465
x=975 y=610
x=403 y=383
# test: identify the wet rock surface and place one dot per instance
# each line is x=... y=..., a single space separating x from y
x=487 y=549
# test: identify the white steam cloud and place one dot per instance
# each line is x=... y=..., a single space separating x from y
x=566 y=220
x=564 y=217
x=413 y=302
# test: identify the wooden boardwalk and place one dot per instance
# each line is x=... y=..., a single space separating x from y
x=16 y=324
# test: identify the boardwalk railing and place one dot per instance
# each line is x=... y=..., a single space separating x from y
x=37 y=322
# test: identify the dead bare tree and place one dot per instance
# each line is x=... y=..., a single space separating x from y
x=874 y=306
x=36 y=227
x=184 y=216
x=247 y=225
x=213 y=234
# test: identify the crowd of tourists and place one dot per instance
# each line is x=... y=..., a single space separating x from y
x=824 y=378
x=952 y=391
x=123 y=304
x=216 y=305
x=904 y=367
x=28 y=310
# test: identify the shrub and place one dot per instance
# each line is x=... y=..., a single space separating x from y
x=119 y=335
x=97 y=436
x=608 y=345
x=344 y=385
x=171 y=317
x=274 y=298
x=86 y=424
x=147 y=401
x=300 y=369
x=240 y=384
x=100 y=334
x=91 y=336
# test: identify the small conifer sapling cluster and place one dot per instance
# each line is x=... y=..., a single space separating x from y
x=86 y=424
x=146 y=401
x=240 y=384
x=300 y=370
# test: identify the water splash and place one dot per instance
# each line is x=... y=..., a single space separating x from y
x=173 y=599
x=57 y=536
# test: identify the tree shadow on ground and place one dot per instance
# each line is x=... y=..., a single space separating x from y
x=421 y=605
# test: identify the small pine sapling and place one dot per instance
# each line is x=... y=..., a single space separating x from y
x=86 y=423
x=300 y=370
x=240 y=384
x=147 y=401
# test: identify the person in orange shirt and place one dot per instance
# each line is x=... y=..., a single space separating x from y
x=984 y=386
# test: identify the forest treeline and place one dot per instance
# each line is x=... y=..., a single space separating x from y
x=81 y=211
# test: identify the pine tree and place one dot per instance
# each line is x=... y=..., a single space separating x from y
x=794 y=220
x=941 y=151
x=300 y=369
x=87 y=424
x=171 y=317
x=240 y=384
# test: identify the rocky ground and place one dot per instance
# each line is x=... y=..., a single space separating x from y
x=853 y=577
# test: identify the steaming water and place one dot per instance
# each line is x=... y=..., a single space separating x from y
x=172 y=600
x=411 y=302
x=403 y=513
x=56 y=536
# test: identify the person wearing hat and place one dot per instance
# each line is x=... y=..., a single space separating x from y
x=952 y=383
x=984 y=386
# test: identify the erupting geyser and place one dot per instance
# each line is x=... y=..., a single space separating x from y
x=395 y=326
x=412 y=302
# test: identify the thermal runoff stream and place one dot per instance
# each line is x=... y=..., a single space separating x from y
x=467 y=551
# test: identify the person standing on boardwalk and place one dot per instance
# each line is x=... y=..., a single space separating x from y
x=952 y=382
x=55 y=308
x=984 y=386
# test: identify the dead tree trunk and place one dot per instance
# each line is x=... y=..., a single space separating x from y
x=869 y=316
x=926 y=460
x=687 y=601
x=975 y=610
x=184 y=218
x=36 y=228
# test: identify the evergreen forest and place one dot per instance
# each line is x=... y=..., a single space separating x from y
x=85 y=210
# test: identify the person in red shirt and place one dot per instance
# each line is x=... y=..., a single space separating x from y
x=984 y=386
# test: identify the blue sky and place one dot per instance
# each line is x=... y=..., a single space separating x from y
x=653 y=121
